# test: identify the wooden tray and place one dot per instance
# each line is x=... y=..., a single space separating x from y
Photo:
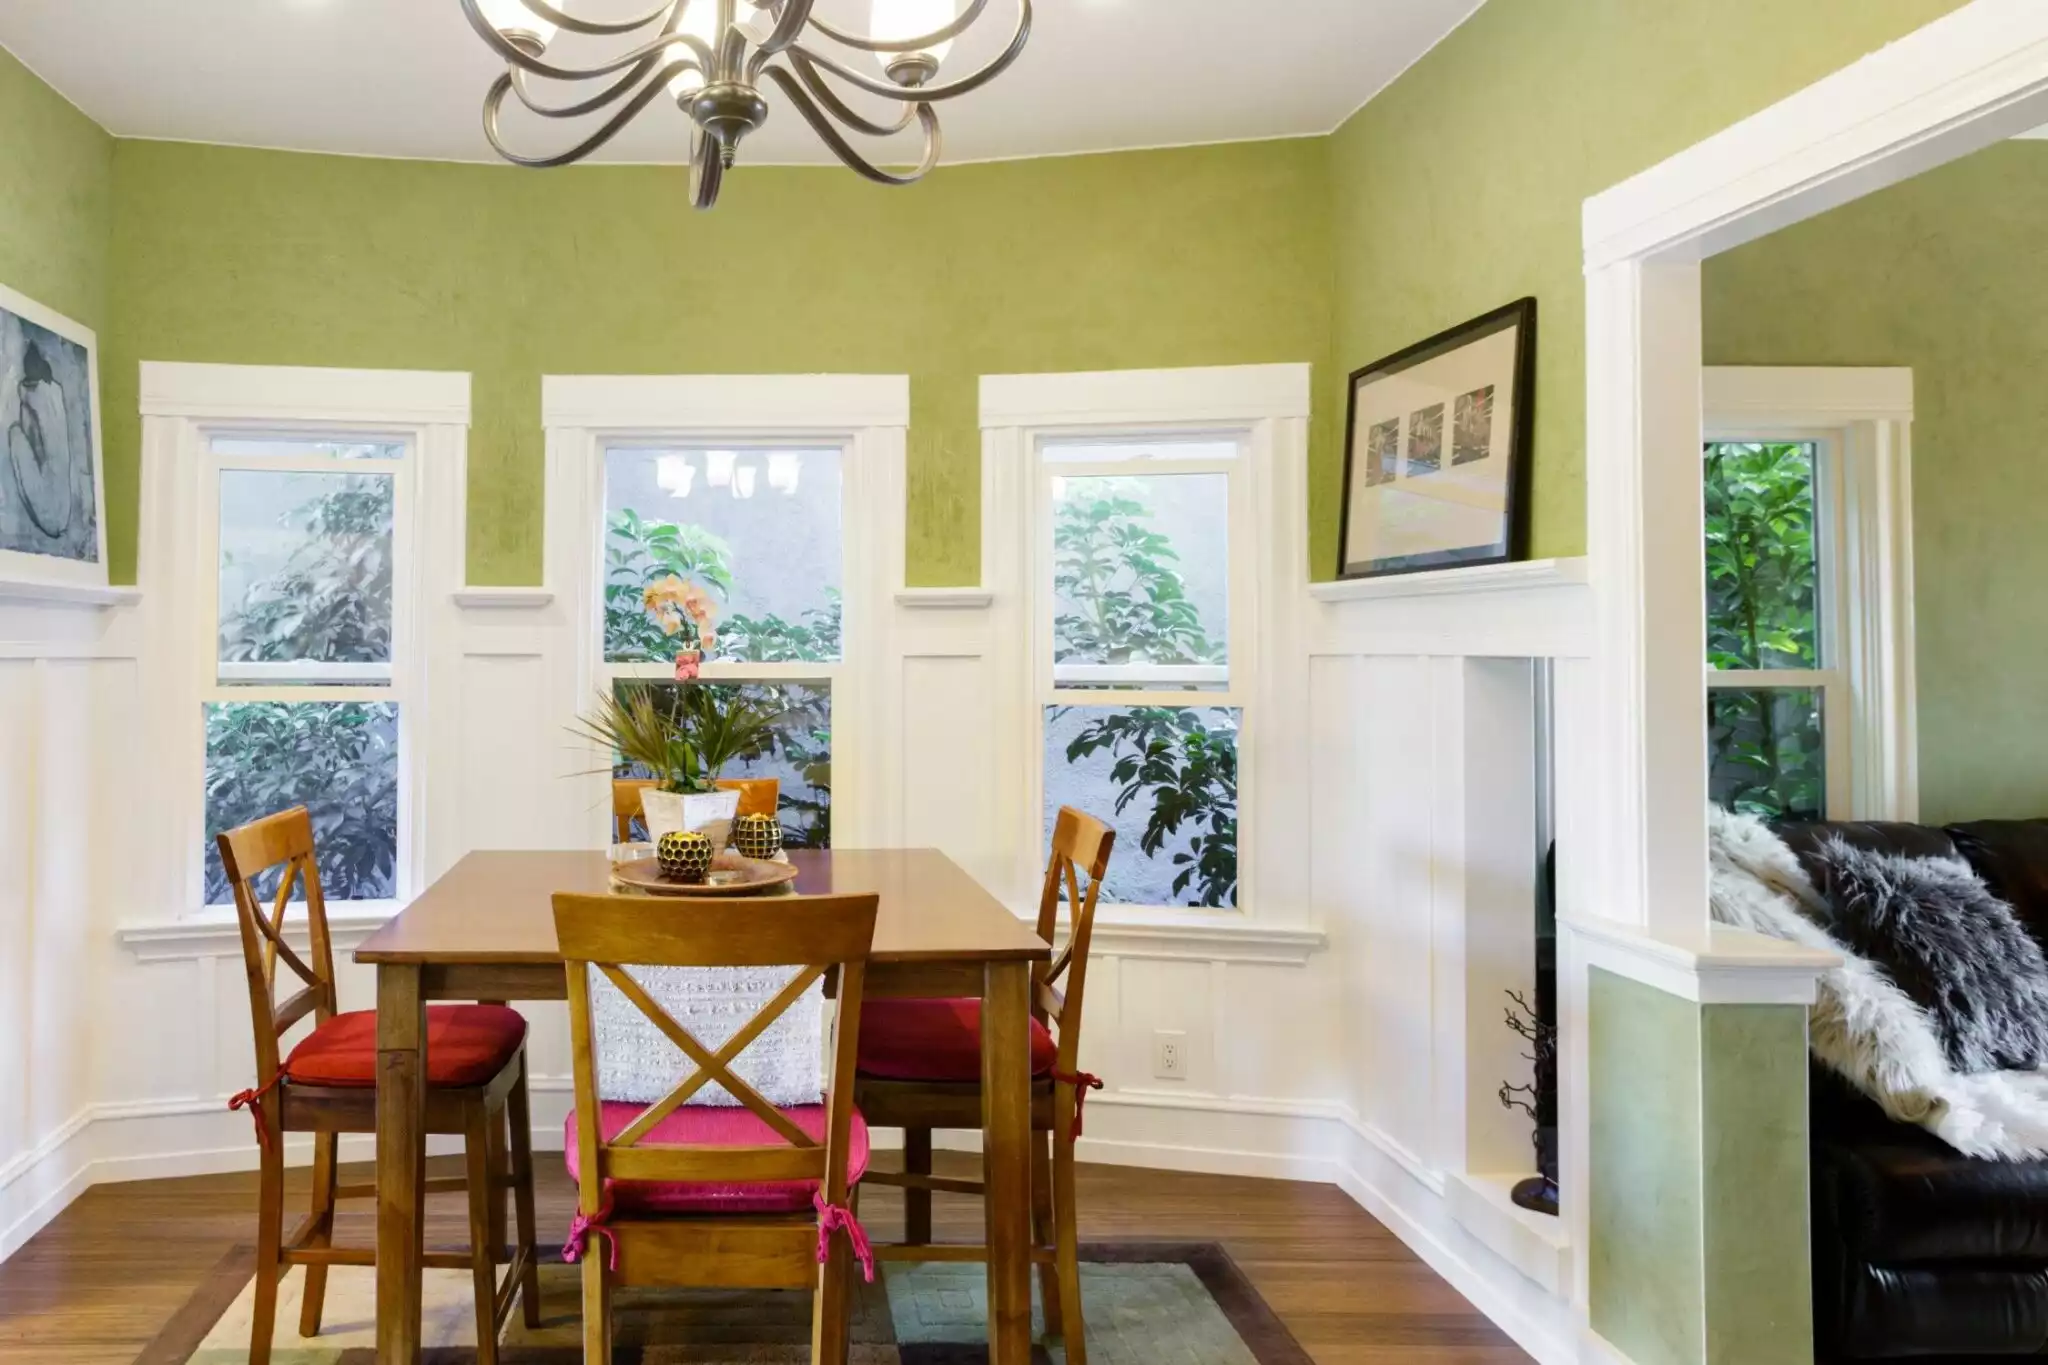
x=731 y=875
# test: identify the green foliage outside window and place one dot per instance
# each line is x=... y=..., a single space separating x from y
x=639 y=553
x=330 y=603
x=1766 y=744
x=1119 y=580
x=1125 y=602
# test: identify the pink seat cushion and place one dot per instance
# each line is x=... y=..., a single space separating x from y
x=703 y=1125
x=466 y=1045
x=934 y=1040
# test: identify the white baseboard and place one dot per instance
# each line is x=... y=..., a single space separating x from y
x=1282 y=1140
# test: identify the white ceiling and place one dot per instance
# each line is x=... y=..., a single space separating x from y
x=407 y=77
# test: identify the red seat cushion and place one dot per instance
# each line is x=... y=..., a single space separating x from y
x=934 y=1040
x=704 y=1125
x=466 y=1045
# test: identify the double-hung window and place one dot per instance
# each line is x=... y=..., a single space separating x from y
x=1141 y=648
x=734 y=553
x=286 y=586
x=1808 y=585
x=306 y=646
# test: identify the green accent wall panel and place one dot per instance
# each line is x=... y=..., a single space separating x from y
x=56 y=199
x=1644 y=1241
x=1943 y=274
x=1459 y=187
x=1698 y=1239
x=1759 y=1287
x=1204 y=256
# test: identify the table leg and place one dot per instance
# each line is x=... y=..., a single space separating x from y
x=401 y=1160
x=1006 y=1157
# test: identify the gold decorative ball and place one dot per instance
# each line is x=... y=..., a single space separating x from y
x=684 y=855
x=757 y=836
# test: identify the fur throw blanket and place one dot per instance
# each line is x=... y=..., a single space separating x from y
x=1863 y=1027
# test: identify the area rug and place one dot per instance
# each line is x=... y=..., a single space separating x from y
x=1147 y=1304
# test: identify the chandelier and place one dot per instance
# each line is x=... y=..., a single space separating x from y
x=711 y=56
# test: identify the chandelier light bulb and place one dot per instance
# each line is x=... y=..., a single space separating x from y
x=784 y=469
x=897 y=21
x=718 y=467
x=700 y=20
x=743 y=480
x=511 y=16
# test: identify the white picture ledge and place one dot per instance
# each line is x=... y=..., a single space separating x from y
x=945 y=599
x=71 y=594
x=503 y=599
x=1529 y=573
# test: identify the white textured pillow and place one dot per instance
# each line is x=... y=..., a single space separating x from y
x=637 y=1062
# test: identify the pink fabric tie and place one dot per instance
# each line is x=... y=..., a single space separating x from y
x=1082 y=1083
x=583 y=1225
x=835 y=1218
x=253 y=1101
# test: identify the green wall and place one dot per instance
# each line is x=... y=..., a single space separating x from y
x=1945 y=274
x=1697 y=1253
x=1459 y=188
x=1206 y=256
x=56 y=196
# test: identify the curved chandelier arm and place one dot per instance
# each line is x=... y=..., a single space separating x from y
x=518 y=56
x=961 y=23
x=830 y=135
x=925 y=94
x=599 y=100
x=839 y=108
x=568 y=22
x=790 y=19
x=495 y=99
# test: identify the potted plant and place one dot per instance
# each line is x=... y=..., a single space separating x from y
x=684 y=744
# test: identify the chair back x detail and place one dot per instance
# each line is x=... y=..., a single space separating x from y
x=1081 y=845
x=283 y=840
x=814 y=936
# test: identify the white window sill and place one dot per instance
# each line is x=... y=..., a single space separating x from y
x=214 y=931
x=502 y=599
x=1198 y=936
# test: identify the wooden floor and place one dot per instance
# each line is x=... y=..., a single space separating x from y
x=99 y=1282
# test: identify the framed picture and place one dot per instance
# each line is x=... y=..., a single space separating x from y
x=1436 y=450
x=53 y=513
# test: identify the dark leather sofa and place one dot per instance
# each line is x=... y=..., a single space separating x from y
x=1920 y=1252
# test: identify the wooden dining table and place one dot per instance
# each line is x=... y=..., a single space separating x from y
x=486 y=931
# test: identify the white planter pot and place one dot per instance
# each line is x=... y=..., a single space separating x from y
x=708 y=813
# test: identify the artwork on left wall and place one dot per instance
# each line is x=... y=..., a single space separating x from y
x=52 y=481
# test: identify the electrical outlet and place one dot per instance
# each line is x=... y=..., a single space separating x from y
x=1170 y=1055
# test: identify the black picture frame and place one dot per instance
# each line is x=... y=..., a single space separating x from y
x=1514 y=540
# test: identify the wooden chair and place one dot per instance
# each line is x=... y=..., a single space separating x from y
x=920 y=1069
x=700 y=1196
x=758 y=796
x=326 y=1086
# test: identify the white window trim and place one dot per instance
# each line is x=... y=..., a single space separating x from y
x=180 y=405
x=1862 y=419
x=866 y=415
x=1269 y=404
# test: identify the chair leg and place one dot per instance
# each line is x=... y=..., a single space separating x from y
x=917 y=1204
x=269 y=1250
x=597 y=1308
x=1044 y=1230
x=519 y=1117
x=1074 y=1334
x=314 y=1298
x=483 y=1253
x=832 y=1317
